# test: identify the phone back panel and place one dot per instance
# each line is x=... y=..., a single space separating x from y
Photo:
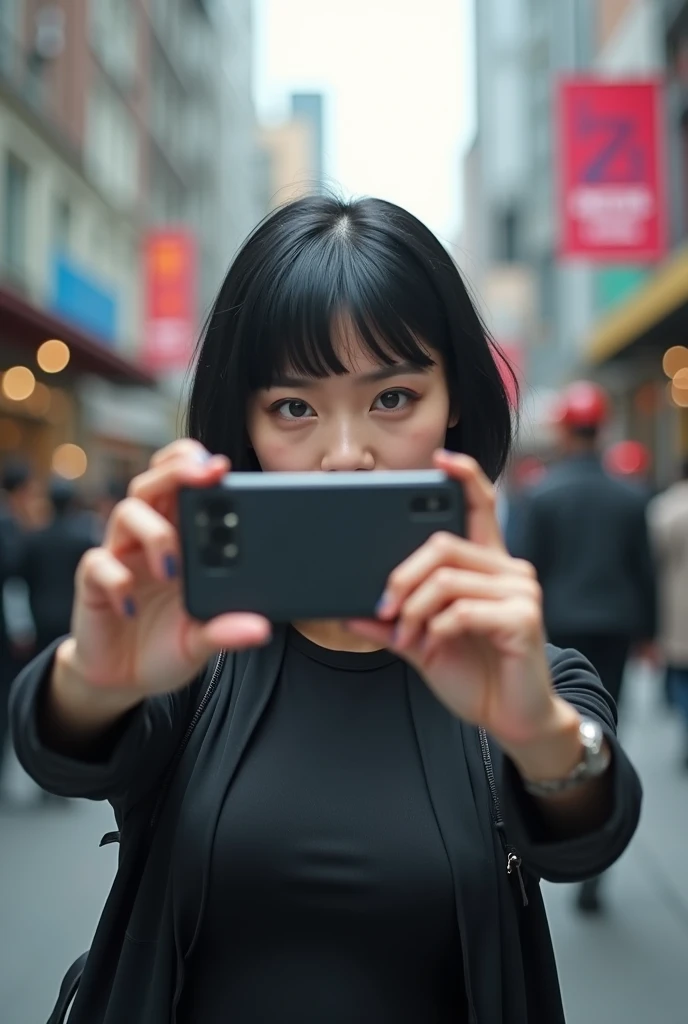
x=307 y=545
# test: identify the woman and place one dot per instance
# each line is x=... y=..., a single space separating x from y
x=326 y=850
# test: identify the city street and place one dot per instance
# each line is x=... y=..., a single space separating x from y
x=628 y=965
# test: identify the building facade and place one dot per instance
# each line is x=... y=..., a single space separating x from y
x=580 y=318
x=114 y=118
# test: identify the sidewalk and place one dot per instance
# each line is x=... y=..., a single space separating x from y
x=629 y=965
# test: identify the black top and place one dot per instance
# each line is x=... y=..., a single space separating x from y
x=586 y=534
x=329 y=862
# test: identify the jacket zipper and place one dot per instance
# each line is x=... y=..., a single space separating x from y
x=219 y=665
x=114 y=837
x=513 y=858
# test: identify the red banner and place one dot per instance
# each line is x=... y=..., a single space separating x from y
x=170 y=299
x=611 y=170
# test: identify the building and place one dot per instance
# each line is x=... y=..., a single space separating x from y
x=639 y=338
x=308 y=107
x=114 y=118
x=494 y=249
x=286 y=170
x=577 y=308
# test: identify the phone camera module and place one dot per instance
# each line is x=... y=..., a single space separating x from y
x=430 y=504
x=217 y=525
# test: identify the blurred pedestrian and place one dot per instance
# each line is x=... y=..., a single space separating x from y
x=525 y=473
x=586 y=534
x=49 y=562
x=668 y=517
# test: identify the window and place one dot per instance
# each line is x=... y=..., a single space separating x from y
x=167 y=107
x=114 y=37
x=16 y=211
x=112 y=145
x=62 y=224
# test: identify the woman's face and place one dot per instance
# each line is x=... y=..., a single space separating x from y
x=373 y=417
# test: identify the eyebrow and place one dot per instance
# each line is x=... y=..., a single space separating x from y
x=384 y=373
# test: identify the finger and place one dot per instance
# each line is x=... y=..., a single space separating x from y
x=104 y=580
x=161 y=484
x=369 y=629
x=482 y=525
x=236 y=631
x=443 y=549
x=515 y=623
x=184 y=446
x=134 y=524
x=446 y=585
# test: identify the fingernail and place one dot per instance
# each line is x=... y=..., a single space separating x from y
x=202 y=456
x=383 y=604
x=171 y=567
x=129 y=607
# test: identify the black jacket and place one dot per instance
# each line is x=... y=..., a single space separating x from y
x=586 y=534
x=50 y=558
x=136 y=967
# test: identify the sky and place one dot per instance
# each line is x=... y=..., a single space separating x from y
x=399 y=94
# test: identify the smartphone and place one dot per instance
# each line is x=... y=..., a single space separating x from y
x=307 y=545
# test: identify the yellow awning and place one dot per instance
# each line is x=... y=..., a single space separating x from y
x=665 y=292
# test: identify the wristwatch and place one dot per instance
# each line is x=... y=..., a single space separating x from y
x=595 y=761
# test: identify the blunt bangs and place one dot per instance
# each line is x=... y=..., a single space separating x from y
x=316 y=273
x=299 y=321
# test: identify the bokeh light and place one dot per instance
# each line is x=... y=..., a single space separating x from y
x=675 y=359
x=70 y=461
x=38 y=403
x=18 y=383
x=53 y=356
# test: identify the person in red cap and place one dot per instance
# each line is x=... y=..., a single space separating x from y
x=586 y=534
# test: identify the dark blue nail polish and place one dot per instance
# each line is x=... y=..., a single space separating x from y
x=129 y=607
x=171 y=567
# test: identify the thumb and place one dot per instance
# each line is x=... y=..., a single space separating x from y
x=234 y=632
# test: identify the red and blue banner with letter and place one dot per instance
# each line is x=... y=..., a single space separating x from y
x=611 y=170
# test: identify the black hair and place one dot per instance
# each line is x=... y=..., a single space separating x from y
x=319 y=258
x=16 y=473
x=62 y=494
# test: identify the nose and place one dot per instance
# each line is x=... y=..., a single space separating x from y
x=345 y=452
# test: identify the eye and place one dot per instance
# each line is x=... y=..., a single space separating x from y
x=293 y=409
x=393 y=401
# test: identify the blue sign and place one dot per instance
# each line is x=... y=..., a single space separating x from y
x=80 y=298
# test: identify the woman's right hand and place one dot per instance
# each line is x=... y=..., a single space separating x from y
x=131 y=636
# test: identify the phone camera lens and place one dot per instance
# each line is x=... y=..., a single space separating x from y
x=430 y=504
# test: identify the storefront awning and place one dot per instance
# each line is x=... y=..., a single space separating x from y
x=25 y=324
x=658 y=311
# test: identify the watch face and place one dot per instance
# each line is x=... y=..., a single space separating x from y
x=591 y=734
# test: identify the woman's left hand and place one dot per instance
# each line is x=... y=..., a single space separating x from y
x=468 y=617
